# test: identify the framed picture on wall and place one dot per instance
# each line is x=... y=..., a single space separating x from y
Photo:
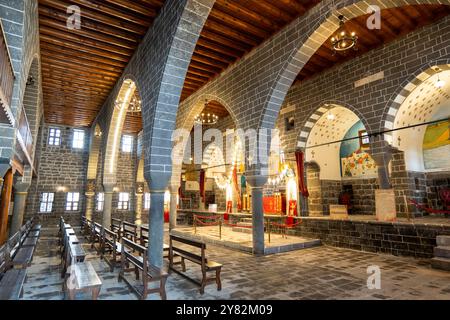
x=363 y=139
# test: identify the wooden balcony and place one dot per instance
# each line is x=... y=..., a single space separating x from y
x=6 y=80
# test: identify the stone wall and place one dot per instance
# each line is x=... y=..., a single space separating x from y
x=59 y=167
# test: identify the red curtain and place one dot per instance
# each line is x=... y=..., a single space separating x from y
x=202 y=185
x=300 y=158
x=236 y=186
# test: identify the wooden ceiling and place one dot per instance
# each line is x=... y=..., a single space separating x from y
x=234 y=28
x=80 y=67
x=395 y=23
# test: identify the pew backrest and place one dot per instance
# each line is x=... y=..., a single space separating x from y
x=129 y=231
x=175 y=249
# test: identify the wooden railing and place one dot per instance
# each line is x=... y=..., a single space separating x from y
x=6 y=71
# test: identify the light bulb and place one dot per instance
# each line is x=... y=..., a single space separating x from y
x=440 y=83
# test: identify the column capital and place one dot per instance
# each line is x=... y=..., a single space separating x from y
x=108 y=188
x=21 y=187
x=256 y=181
x=89 y=194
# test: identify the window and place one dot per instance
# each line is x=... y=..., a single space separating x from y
x=124 y=198
x=54 y=137
x=363 y=139
x=72 y=201
x=147 y=201
x=100 y=201
x=47 y=202
x=127 y=144
x=78 y=139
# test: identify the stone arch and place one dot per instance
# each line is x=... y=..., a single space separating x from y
x=185 y=122
x=94 y=152
x=115 y=127
x=312 y=36
x=31 y=97
x=404 y=90
x=317 y=114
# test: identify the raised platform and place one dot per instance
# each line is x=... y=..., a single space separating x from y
x=243 y=241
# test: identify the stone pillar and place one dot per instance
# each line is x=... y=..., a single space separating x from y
x=138 y=208
x=107 y=208
x=157 y=185
x=257 y=183
x=89 y=204
x=20 y=201
x=4 y=205
x=173 y=207
x=381 y=153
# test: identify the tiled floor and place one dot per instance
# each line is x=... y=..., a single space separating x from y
x=316 y=273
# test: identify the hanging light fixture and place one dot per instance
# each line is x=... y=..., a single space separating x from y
x=206 y=118
x=439 y=83
x=135 y=105
x=343 y=40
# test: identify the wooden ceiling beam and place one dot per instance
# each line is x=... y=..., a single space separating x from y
x=268 y=10
x=80 y=61
x=237 y=24
x=90 y=25
x=107 y=75
x=83 y=41
x=76 y=47
x=213 y=55
x=68 y=68
x=96 y=16
x=209 y=61
x=48 y=47
x=44 y=21
x=55 y=74
x=145 y=10
x=229 y=33
x=239 y=11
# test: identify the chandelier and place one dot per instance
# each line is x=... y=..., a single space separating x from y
x=343 y=40
x=135 y=105
x=206 y=118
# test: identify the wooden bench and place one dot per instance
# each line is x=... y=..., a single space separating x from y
x=87 y=229
x=129 y=231
x=23 y=258
x=96 y=236
x=200 y=259
x=139 y=263
x=11 y=280
x=111 y=245
x=116 y=226
x=83 y=278
x=143 y=237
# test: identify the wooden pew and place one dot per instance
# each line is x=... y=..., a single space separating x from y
x=116 y=226
x=143 y=237
x=96 y=236
x=11 y=280
x=200 y=259
x=129 y=231
x=134 y=259
x=84 y=279
x=111 y=245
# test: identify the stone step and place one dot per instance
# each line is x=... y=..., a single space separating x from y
x=244 y=224
x=442 y=252
x=443 y=241
x=242 y=230
x=440 y=263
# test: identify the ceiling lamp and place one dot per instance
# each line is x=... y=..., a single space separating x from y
x=343 y=40
x=439 y=83
x=206 y=118
x=135 y=105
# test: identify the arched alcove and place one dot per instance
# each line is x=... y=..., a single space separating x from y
x=426 y=147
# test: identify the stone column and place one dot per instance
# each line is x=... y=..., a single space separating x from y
x=89 y=204
x=173 y=207
x=107 y=208
x=157 y=185
x=138 y=208
x=381 y=153
x=257 y=183
x=20 y=201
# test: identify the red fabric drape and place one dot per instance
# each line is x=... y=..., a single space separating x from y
x=236 y=187
x=300 y=158
x=202 y=185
